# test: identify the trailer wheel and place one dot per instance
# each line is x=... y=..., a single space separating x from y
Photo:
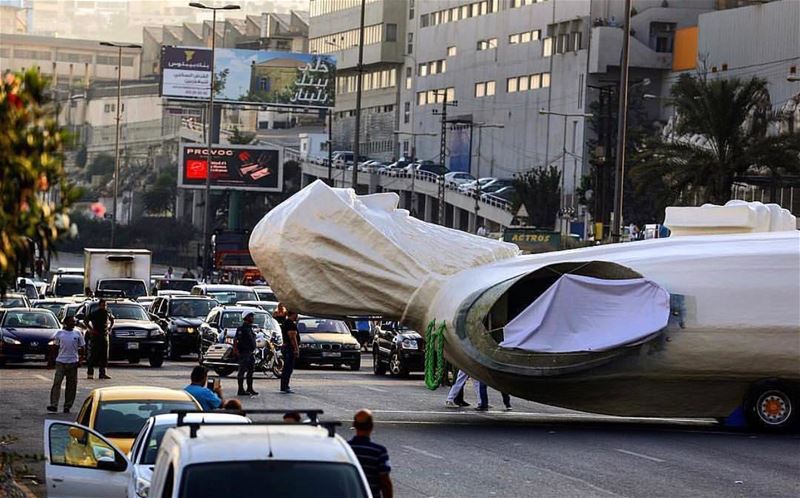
x=772 y=406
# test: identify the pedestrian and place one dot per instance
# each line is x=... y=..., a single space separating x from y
x=70 y=346
x=188 y=273
x=373 y=457
x=208 y=399
x=99 y=322
x=170 y=274
x=245 y=344
x=481 y=392
x=482 y=232
x=455 y=397
x=279 y=314
x=290 y=349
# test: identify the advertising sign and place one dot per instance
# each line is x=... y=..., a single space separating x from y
x=459 y=148
x=249 y=76
x=531 y=240
x=237 y=167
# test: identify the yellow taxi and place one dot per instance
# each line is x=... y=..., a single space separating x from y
x=119 y=412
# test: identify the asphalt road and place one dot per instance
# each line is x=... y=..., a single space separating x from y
x=534 y=450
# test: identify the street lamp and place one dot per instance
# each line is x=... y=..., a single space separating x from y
x=206 y=211
x=413 y=136
x=119 y=47
x=565 y=115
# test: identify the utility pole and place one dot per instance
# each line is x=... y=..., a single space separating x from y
x=442 y=149
x=359 y=75
x=119 y=47
x=622 y=119
x=330 y=147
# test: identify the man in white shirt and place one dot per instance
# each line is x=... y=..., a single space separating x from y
x=70 y=346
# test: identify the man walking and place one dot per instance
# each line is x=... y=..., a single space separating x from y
x=70 y=346
x=455 y=397
x=290 y=349
x=98 y=323
x=245 y=344
x=373 y=457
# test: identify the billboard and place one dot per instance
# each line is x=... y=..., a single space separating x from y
x=532 y=240
x=249 y=76
x=236 y=167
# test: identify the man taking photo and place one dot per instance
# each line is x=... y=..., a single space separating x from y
x=208 y=399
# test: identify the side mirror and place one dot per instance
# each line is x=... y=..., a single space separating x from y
x=111 y=464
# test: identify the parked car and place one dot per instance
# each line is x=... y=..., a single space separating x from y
x=456 y=178
x=14 y=300
x=69 y=310
x=134 y=335
x=501 y=194
x=268 y=306
x=393 y=168
x=495 y=185
x=226 y=293
x=397 y=349
x=146 y=301
x=174 y=284
x=265 y=293
x=180 y=317
x=52 y=304
x=436 y=169
x=222 y=321
x=65 y=285
x=119 y=412
x=27 y=334
x=324 y=341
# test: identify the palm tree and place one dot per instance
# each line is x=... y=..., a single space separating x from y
x=722 y=130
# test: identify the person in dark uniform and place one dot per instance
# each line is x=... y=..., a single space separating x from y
x=290 y=349
x=245 y=344
x=373 y=457
x=98 y=323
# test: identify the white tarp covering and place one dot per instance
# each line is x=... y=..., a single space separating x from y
x=579 y=313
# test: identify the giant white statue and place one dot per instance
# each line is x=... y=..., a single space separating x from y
x=694 y=325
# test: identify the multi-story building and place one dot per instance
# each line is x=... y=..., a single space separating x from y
x=334 y=29
x=13 y=17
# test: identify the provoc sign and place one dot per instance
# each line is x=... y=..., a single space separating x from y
x=235 y=167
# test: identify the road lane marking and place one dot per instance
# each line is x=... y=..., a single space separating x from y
x=376 y=389
x=423 y=452
x=646 y=457
x=41 y=377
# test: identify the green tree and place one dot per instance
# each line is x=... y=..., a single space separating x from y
x=102 y=164
x=161 y=197
x=721 y=131
x=241 y=138
x=34 y=193
x=539 y=190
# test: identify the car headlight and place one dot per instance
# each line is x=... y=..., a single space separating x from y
x=52 y=342
x=352 y=346
x=11 y=340
x=409 y=344
x=142 y=487
x=156 y=333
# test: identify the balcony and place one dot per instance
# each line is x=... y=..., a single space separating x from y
x=606 y=50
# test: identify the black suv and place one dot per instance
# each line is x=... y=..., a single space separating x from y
x=180 y=317
x=398 y=349
x=134 y=335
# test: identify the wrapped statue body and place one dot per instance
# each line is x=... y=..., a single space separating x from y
x=694 y=325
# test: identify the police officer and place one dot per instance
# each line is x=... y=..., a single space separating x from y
x=99 y=322
x=245 y=344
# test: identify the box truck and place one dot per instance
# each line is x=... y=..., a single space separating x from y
x=125 y=271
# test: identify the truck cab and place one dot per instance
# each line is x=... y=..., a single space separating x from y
x=124 y=270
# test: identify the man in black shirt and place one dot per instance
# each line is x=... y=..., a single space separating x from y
x=290 y=350
x=98 y=324
x=245 y=344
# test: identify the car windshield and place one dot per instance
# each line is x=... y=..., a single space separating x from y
x=30 y=320
x=54 y=307
x=12 y=302
x=127 y=311
x=320 y=325
x=68 y=286
x=178 y=284
x=265 y=295
x=68 y=311
x=131 y=288
x=232 y=319
x=269 y=478
x=126 y=418
x=232 y=296
x=193 y=308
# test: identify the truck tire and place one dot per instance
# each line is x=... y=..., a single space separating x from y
x=771 y=405
x=156 y=359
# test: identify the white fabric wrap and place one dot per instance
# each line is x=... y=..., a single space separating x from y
x=328 y=251
x=579 y=313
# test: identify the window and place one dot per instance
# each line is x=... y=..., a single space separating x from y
x=576 y=41
x=451 y=94
x=545 y=80
x=511 y=85
x=411 y=9
x=523 y=83
x=391 y=32
x=410 y=46
x=451 y=51
x=480 y=89
x=490 y=88
x=513 y=39
x=422 y=70
x=525 y=37
x=424 y=21
x=408 y=78
x=487 y=44
x=536 y=81
x=547 y=47
x=406 y=112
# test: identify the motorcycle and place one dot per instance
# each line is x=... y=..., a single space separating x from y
x=222 y=358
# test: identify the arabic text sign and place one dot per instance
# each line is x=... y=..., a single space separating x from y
x=236 y=167
x=186 y=72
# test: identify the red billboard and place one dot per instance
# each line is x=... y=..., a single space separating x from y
x=237 y=167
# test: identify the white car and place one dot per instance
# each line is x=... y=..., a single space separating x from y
x=473 y=185
x=456 y=178
x=265 y=293
x=82 y=463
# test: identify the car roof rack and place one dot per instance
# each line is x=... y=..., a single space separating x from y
x=313 y=415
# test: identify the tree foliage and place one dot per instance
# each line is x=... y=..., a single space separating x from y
x=160 y=198
x=240 y=137
x=34 y=193
x=102 y=164
x=723 y=129
x=539 y=190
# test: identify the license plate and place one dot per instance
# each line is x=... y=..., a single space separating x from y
x=328 y=354
x=133 y=345
x=33 y=357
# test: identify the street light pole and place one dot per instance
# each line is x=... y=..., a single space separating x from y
x=119 y=47
x=359 y=81
x=211 y=120
x=622 y=122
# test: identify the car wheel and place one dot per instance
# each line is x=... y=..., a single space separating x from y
x=396 y=367
x=133 y=360
x=172 y=353
x=277 y=368
x=378 y=368
x=156 y=359
x=771 y=406
x=356 y=365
